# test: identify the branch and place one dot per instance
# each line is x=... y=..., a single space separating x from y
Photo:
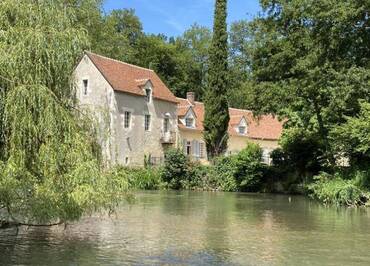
x=6 y=79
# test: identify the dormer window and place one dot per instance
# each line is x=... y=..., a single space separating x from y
x=148 y=95
x=189 y=122
x=242 y=130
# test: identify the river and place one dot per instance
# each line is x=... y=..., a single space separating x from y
x=200 y=228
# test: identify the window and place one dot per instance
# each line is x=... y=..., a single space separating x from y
x=127 y=120
x=148 y=95
x=242 y=130
x=166 y=125
x=127 y=161
x=266 y=156
x=202 y=150
x=85 y=83
x=147 y=123
x=189 y=122
x=188 y=148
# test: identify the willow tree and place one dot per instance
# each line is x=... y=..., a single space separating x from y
x=216 y=106
x=50 y=170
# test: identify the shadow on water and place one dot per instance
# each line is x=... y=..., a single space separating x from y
x=45 y=246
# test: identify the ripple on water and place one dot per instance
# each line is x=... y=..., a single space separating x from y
x=200 y=228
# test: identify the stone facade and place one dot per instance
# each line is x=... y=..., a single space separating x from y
x=121 y=145
x=138 y=118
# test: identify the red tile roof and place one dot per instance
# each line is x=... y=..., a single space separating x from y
x=129 y=78
x=265 y=127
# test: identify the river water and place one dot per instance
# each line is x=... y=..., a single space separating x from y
x=200 y=228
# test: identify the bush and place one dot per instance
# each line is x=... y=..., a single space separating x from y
x=240 y=172
x=301 y=153
x=334 y=190
x=198 y=177
x=362 y=178
x=175 y=170
x=138 y=178
x=145 y=178
x=224 y=171
x=249 y=168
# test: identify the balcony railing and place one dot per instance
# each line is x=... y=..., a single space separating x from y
x=168 y=137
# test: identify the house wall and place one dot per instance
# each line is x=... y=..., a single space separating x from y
x=190 y=135
x=134 y=143
x=120 y=145
x=97 y=102
x=235 y=143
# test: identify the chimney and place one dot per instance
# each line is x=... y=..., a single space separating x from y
x=190 y=96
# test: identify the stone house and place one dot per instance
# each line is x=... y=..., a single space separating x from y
x=136 y=113
x=243 y=128
x=138 y=117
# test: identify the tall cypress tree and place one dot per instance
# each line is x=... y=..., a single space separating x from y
x=216 y=106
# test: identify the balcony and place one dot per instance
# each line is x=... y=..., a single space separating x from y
x=168 y=137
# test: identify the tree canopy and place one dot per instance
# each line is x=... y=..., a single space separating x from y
x=50 y=167
x=216 y=117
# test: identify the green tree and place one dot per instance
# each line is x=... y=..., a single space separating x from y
x=50 y=169
x=352 y=138
x=118 y=36
x=309 y=62
x=216 y=105
x=194 y=44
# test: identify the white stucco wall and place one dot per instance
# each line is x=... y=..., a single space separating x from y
x=122 y=145
x=135 y=142
x=235 y=143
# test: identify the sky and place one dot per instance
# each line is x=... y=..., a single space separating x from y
x=173 y=17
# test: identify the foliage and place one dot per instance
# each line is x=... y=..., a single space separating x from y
x=175 y=169
x=249 y=167
x=193 y=47
x=301 y=152
x=145 y=178
x=241 y=172
x=50 y=163
x=334 y=190
x=352 y=138
x=216 y=116
x=309 y=62
x=224 y=170
x=199 y=177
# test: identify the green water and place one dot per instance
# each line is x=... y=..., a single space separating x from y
x=190 y=228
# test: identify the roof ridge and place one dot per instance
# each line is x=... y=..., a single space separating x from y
x=185 y=99
x=238 y=109
x=118 y=61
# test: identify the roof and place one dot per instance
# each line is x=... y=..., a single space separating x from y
x=129 y=78
x=266 y=127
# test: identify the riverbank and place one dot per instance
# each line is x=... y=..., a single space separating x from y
x=244 y=172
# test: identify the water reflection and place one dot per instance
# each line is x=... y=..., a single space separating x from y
x=190 y=228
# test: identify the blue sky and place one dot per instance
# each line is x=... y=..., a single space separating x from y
x=173 y=17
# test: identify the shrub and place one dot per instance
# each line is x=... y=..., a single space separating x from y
x=198 y=177
x=240 y=172
x=145 y=178
x=224 y=171
x=175 y=170
x=249 y=168
x=334 y=190
x=301 y=152
x=138 y=178
x=362 y=178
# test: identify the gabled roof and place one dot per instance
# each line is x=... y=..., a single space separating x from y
x=129 y=78
x=265 y=127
